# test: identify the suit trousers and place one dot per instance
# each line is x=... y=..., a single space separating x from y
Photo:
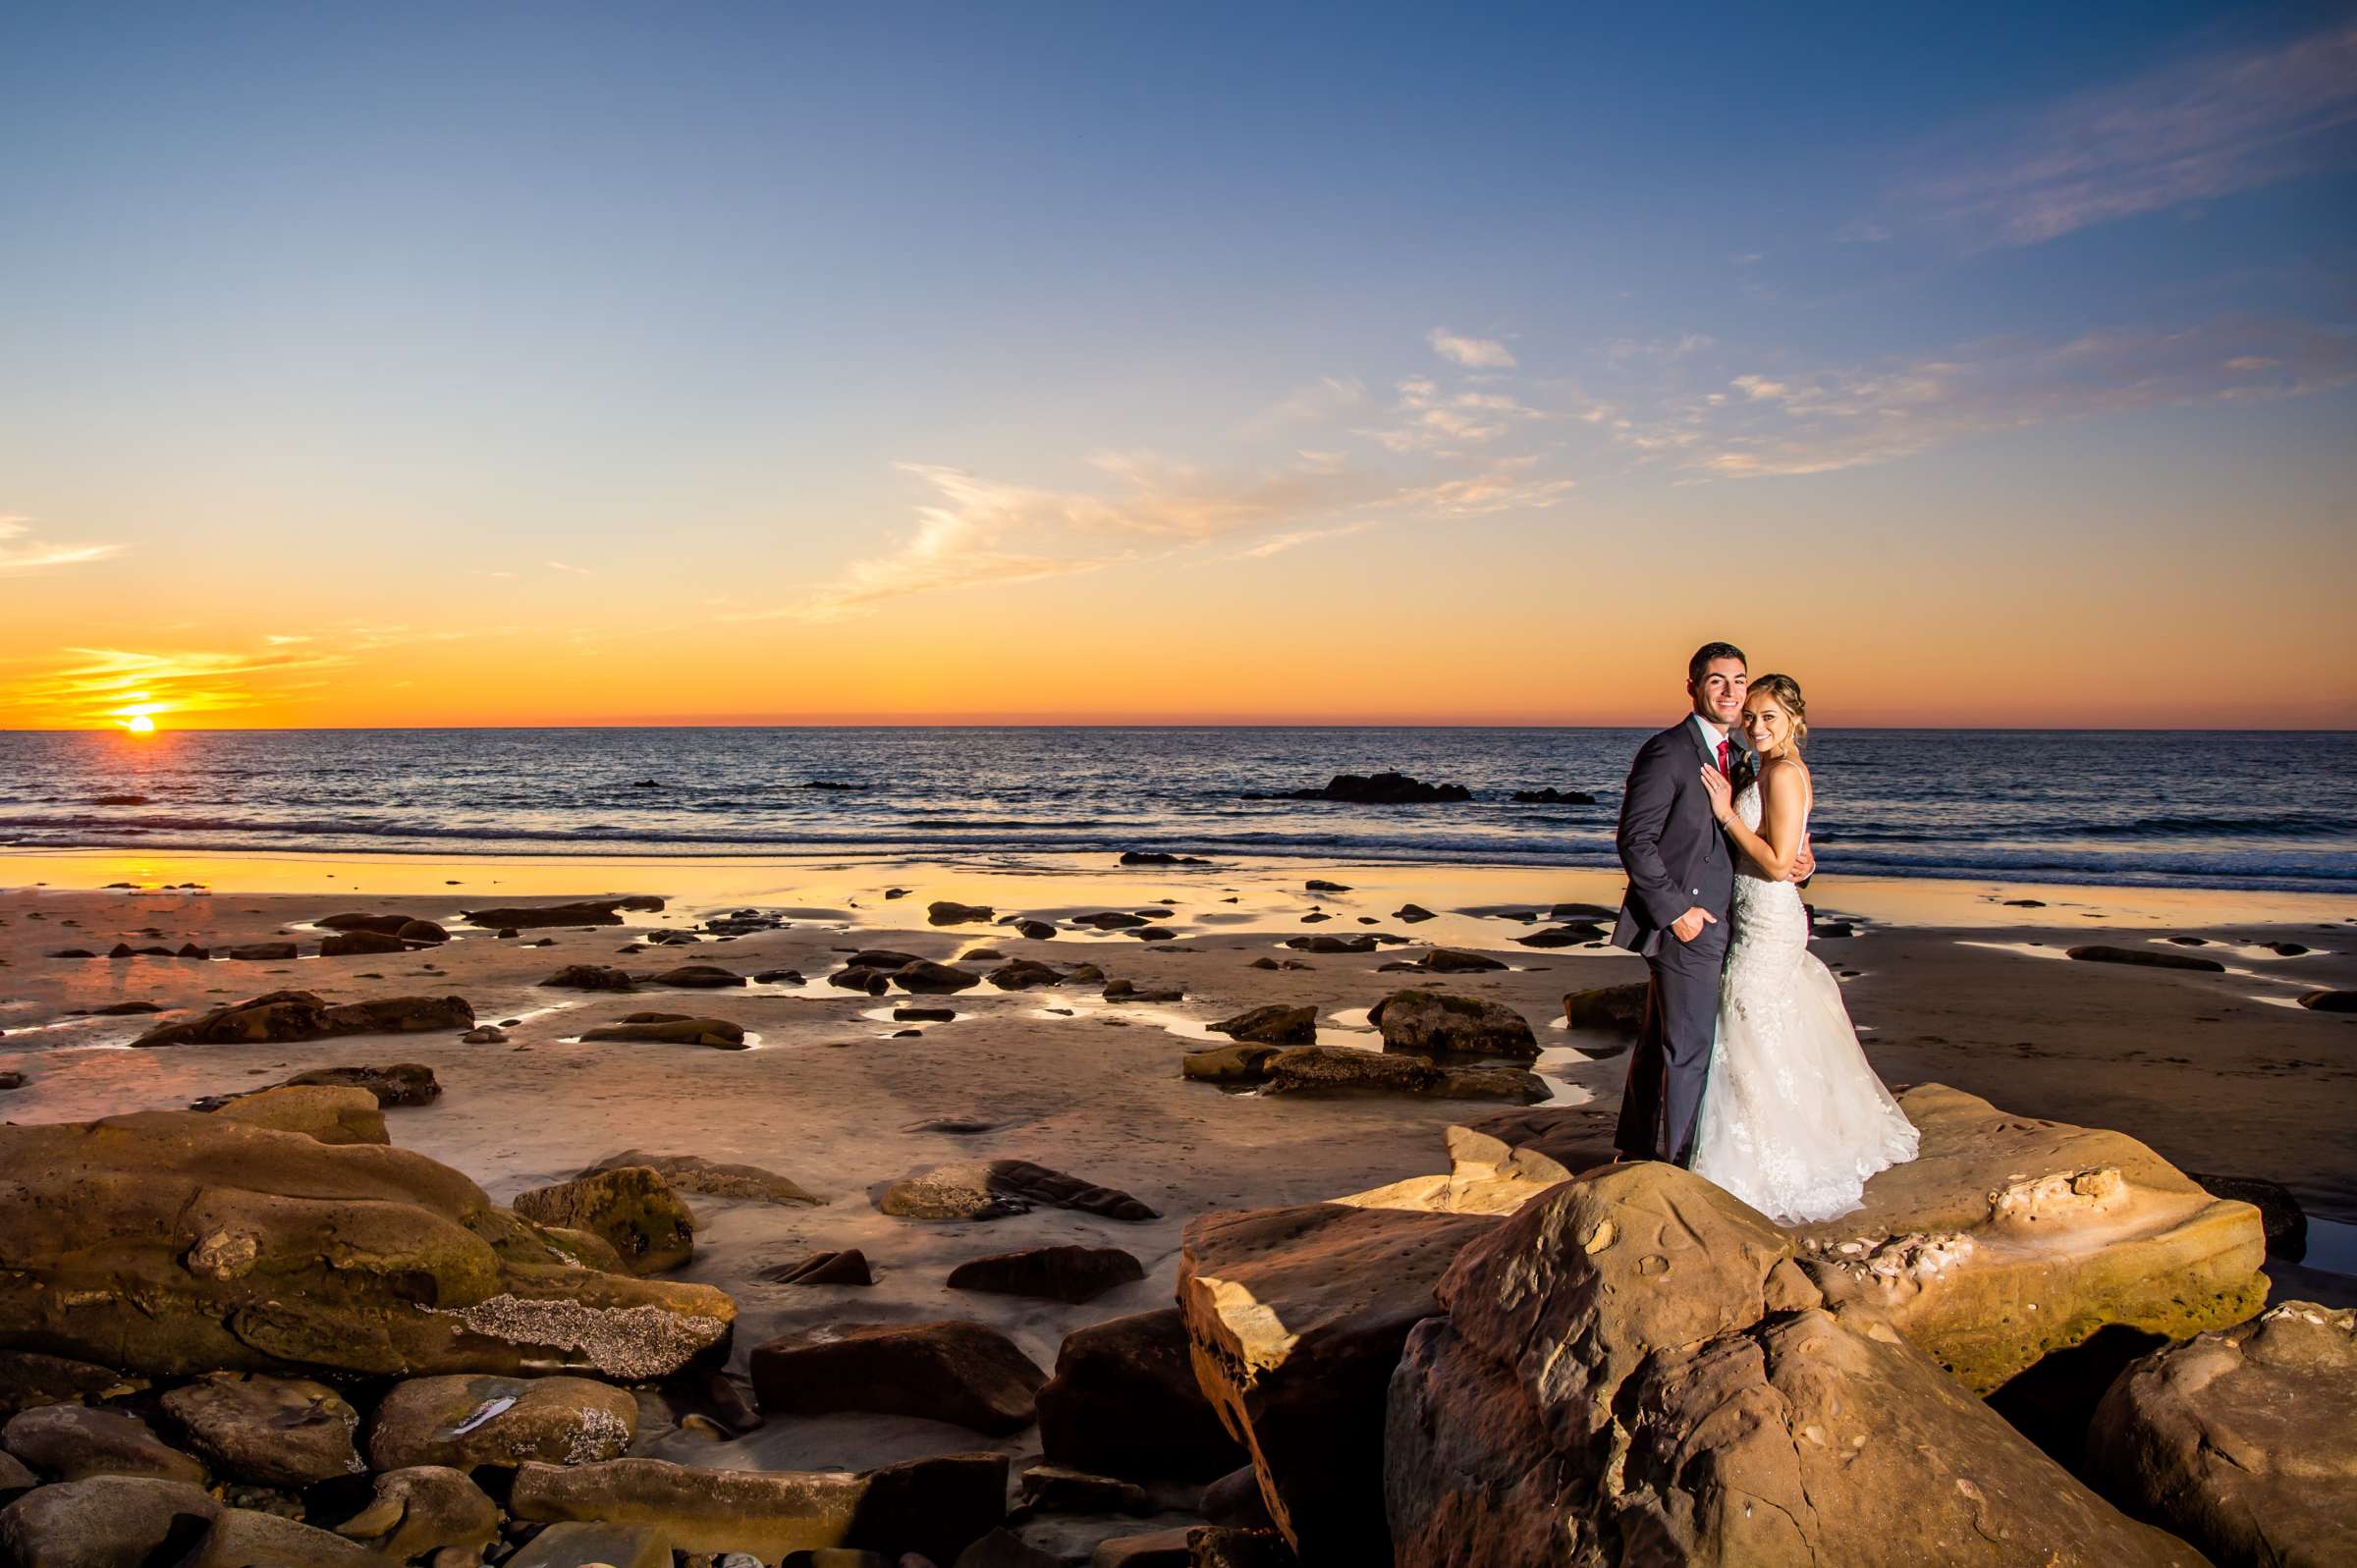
x=1671 y=1064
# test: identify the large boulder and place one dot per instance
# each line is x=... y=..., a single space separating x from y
x=326 y=1114
x=2243 y=1440
x=1294 y=1319
x=1124 y=1402
x=72 y=1442
x=1612 y=1009
x=632 y=1210
x=271 y=1432
x=928 y=978
x=468 y=1423
x=170 y=1243
x=930 y=1506
x=1341 y=1070
x=249 y=1537
x=951 y=1370
x=2008 y=1238
x=1633 y=1368
x=282 y=1016
x=1487 y=1175
x=1433 y=1023
x=105 y=1521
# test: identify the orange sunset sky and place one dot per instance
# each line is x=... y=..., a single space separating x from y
x=372 y=370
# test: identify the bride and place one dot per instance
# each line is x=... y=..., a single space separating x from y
x=1793 y=1120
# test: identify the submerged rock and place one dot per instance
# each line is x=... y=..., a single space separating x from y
x=712 y=1178
x=589 y=912
x=172 y=1243
x=994 y=1189
x=2243 y=1440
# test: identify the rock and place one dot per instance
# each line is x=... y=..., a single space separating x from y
x=1486 y=1177
x=1562 y=936
x=326 y=1114
x=1060 y=1490
x=951 y=1370
x=1571 y=1138
x=14 y=1479
x=1160 y=1548
x=11 y=1079
x=632 y=1210
x=923 y=1014
x=105 y=1521
x=1055 y=1274
x=2242 y=1440
x=1153 y=933
x=846 y=1267
x=272 y=1431
x=1320 y=885
x=1295 y=1319
x=925 y=976
x=406 y=1083
x=119 y=1009
x=290 y=1015
x=176 y=1243
x=425 y=1509
x=124 y=949
x=1411 y=914
x=950 y=912
x=981 y=955
x=1331 y=944
x=1160 y=858
x=1128 y=991
x=931 y=1506
x=779 y=977
x=713 y=1179
x=465 y=1423
x=2145 y=957
x=997 y=1188
x=1085 y=974
x=1997 y=1211
x=1645 y=1315
x=262 y=952
x=28 y=1379
x=354 y=944
x=2280 y=1215
x=590 y=977
x=1124 y=1402
x=484 y=1035
x=1035 y=930
x=587 y=1543
x=73 y=1442
x=1237 y=1063
x=1552 y=796
x=1271 y=1026
x=2329 y=1000
x=375 y=925
x=1323 y=1070
x=1612 y=1009
x=875 y=982
x=592 y=912
x=249 y=1538
x=1377 y=790
x=2287 y=950
x=671 y=1029
x=1111 y=920
x=1023 y=974
x=1450 y=961
x=699 y=977
x=1235 y=1500
x=1431 y=1023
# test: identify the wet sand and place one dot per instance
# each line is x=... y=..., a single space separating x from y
x=2221 y=1074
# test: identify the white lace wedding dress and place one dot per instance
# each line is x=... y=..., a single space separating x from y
x=1793 y=1120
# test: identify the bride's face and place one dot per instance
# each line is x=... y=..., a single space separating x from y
x=1766 y=724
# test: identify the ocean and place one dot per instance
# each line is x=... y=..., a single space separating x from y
x=2218 y=809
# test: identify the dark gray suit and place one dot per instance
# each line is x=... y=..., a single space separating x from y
x=1676 y=857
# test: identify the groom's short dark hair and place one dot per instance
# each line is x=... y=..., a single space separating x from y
x=1701 y=662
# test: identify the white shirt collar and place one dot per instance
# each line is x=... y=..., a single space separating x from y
x=1711 y=733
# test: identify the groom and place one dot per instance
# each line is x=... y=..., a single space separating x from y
x=1681 y=878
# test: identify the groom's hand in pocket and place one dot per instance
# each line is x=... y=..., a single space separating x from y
x=1689 y=924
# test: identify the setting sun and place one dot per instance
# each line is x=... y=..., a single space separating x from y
x=139 y=724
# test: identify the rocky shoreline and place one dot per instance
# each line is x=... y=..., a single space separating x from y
x=271 y=1329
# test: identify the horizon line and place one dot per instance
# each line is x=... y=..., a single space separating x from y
x=1160 y=723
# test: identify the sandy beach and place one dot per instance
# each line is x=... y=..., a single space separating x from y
x=2222 y=1073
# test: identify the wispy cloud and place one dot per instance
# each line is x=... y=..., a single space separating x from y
x=1813 y=421
x=1474 y=354
x=1321 y=402
x=1300 y=536
x=578 y=571
x=91 y=684
x=2197 y=128
x=20 y=551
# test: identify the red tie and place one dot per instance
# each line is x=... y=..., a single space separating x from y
x=1723 y=760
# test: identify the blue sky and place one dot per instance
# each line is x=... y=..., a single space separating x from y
x=901 y=303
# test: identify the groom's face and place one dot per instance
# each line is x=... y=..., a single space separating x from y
x=1719 y=694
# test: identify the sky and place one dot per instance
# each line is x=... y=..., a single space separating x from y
x=427 y=364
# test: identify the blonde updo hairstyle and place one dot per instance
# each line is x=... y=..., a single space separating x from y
x=1786 y=692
